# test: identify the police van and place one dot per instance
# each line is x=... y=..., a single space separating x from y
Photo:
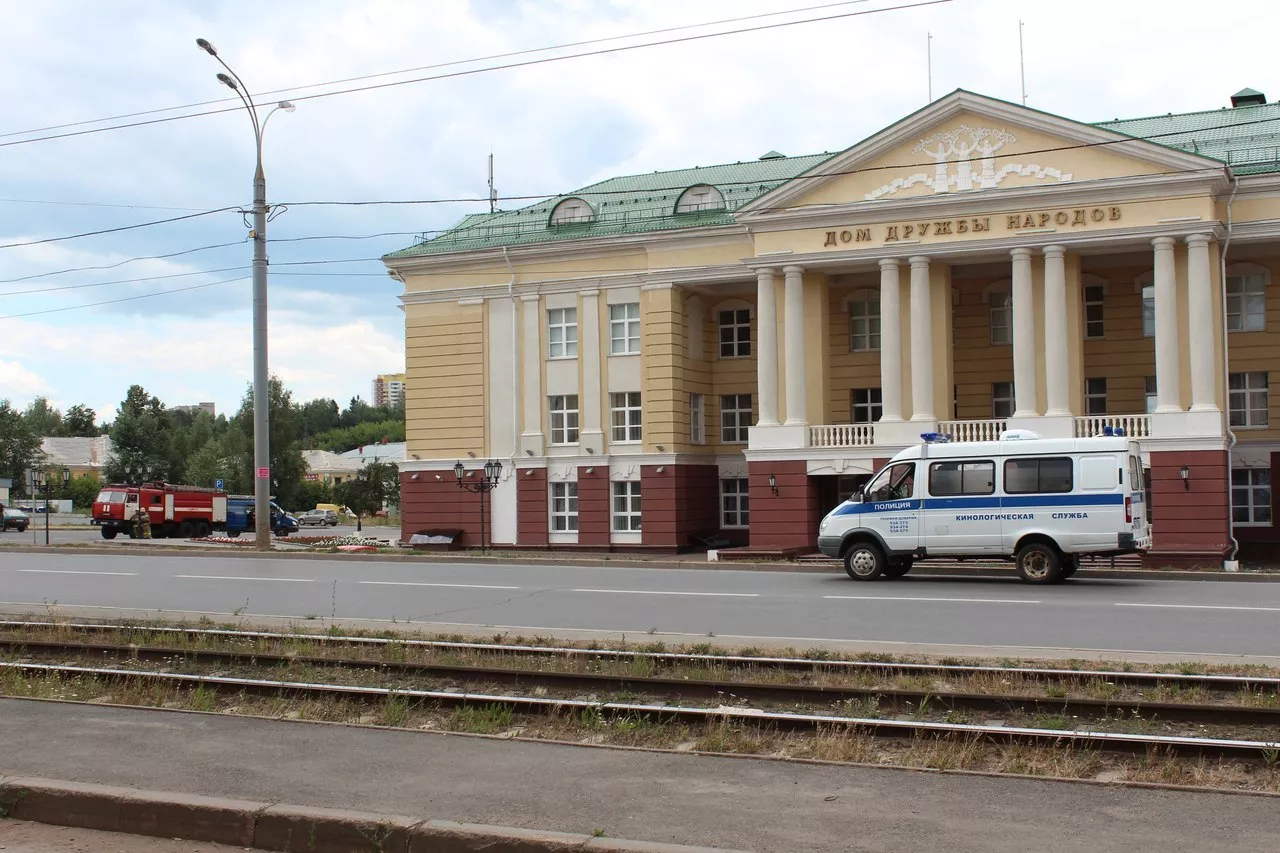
x=1040 y=501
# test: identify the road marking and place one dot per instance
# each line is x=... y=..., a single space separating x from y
x=241 y=578
x=450 y=585
x=668 y=592
x=905 y=598
x=71 y=572
x=1206 y=607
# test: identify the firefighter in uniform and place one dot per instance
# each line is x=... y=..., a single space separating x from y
x=142 y=523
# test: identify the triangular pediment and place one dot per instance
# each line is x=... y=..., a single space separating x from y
x=970 y=144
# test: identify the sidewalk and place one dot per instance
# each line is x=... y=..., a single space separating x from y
x=757 y=805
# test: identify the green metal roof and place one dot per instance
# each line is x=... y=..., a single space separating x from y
x=1247 y=138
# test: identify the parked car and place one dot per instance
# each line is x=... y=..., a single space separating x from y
x=318 y=517
x=15 y=518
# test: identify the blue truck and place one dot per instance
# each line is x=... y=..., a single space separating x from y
x=240 y=517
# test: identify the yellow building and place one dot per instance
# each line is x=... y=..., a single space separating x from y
x=388 y=389
x=725 y=352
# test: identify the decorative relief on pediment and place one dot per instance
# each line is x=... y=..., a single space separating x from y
x=964 y=161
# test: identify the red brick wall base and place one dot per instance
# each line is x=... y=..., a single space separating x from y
x=679 y=501
x=788 y=520
x=430 y=504
x=1190 y=527
x=533 y=520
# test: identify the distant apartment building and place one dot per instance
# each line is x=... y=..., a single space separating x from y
x=196 y=408
x=388 y=390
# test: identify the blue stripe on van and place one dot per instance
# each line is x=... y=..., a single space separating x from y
x=984 y=502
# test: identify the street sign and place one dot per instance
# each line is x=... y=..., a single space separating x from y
x=264 y=473
x=218 y=484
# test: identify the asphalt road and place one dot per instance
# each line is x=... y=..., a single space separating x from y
x=67 y=534
x=1084 y=617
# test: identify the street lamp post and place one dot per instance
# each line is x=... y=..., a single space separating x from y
x=261 y=401
x=40 y=482
x=487 y=483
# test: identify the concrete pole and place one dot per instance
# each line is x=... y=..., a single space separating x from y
x=261 y=392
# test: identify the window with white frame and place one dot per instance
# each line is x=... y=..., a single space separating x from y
x=562 y=332
x=734 y=502
x=572 y=210
x=1248 y=399
x=564 y=507
x=1001 y=304
x=1148 y=310
x=1094 y=298
x=1251 y=495
x=624 y=417
x=865 y=405
x=624 y=328
x=735 y=418
x=1095 y=395
x=563 y=409
x=625 y=517
x=701 y=197
x=697 y=419
x=1150 y=394
x=1246 y=302
x=864 y=325
x=735 y=333
x=1001 y=399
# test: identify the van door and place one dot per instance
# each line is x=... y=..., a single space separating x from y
x=1136 y=502
x=961 y=514
x=891 y=507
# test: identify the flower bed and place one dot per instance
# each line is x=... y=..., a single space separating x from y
x=224 y=540
x=330 y=541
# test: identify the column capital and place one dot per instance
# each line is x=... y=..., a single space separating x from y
x=793 y=270
x=885 y=263
x=918 y=261
x=1163 y=242
x=1054 y=251
x=1199 y=240
x=1021 y=253
x=763 y=273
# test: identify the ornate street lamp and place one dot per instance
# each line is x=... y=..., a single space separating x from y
x=491 y=474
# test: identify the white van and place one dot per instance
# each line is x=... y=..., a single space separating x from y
x=1040 y=501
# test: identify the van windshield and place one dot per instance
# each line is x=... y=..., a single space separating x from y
x=106 y=496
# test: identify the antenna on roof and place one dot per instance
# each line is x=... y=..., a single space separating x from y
x=928 y=60
x=1022 y=63
x=493 y=193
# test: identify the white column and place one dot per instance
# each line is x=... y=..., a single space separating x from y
x=921 y=342
x=590 y=355
x=531 y=428
x=1200 y=331
x=890 y=341
x=767 y=346
x=793 y=306
x=1168 y=382
x=1055 y=331
x=1024 y=337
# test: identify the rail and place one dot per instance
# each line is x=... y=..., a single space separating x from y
x=1135 y=426
x=974 y=430
x=842 y=435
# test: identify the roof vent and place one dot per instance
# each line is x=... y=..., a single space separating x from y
x=1247 y=98
x=773 y=155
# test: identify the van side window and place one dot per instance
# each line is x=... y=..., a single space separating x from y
x=947 y=479
x=1037 y=476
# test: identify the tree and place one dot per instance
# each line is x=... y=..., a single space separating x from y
x=81 y=491
x=318 y=416
x=80 y=421
x=377 y=485
x=312 y=493
x=140 y=446
x=43 y=418
x=287 y=466
x=207 y=465
x=19 y=446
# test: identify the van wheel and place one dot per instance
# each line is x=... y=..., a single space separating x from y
x=864 y=562
x=898 y=568
x=1039 y=562
x=1069 y=566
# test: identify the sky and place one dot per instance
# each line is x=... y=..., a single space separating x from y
x=181 y=325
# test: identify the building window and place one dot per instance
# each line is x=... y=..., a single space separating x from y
x=865 y=405
x=1095 y=396
x=564 y=507
x=697 y=419
x=1152 y=397
x=1001 y=318
x=735 y=333
x=864 y=325
x=1001 y=399
x=701 y=197
x=1251 y=495
x=626 y=507
x=1148 y=310
x=564 y=418
x=624 y=417
x=1246 y=302
x=1248 y=399
x=1037 y=476
x=1094 y=328
x=562 y=332
x=734 y=502
x=624 y=329
x=735 y=418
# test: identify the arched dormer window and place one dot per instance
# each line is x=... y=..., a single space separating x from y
x=572 y=211
x=700 y=197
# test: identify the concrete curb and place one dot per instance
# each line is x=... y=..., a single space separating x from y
x=273 y=826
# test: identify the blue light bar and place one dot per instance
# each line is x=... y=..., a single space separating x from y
x=935 y=437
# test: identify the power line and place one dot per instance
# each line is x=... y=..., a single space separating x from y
x=91 y=204
x=121 y=281
x=123 y=299
x=449 y=64
x=115 y=230
x=118 y=263
x=507 y=66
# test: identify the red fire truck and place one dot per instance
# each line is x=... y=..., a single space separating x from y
x=176 y=511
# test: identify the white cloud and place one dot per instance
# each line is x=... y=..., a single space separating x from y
x=20 y=383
